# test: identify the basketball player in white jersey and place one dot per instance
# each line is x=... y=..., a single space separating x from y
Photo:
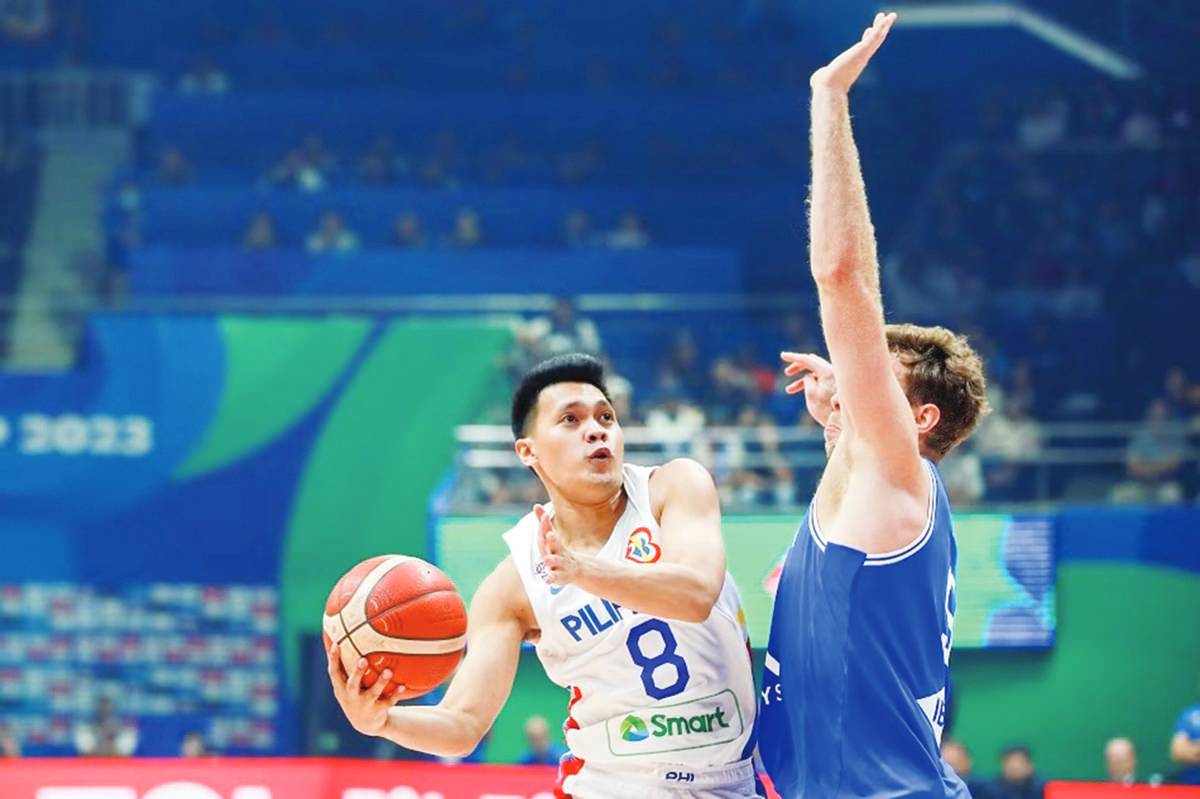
x=621 y=582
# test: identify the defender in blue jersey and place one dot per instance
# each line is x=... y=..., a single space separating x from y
x=853 y=700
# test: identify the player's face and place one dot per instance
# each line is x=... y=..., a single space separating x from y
x=577 y=442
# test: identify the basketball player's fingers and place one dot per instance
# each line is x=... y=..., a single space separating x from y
x=381 y=685
x=552 y=543
x=354 y=681
x=336 y=669
x=794 y=387
x=809 y=359
x=545 y=520
x=795 y=369
x=803 y=360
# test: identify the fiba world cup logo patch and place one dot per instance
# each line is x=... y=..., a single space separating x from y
x=640 y=548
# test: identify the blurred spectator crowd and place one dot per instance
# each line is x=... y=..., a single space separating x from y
x=737 y=394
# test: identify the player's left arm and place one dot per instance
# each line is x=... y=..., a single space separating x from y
x=845 y=268
x=686 y=579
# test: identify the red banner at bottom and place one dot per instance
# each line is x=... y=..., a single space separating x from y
x=283 y=778
x=1108 y=790
x=302 y=778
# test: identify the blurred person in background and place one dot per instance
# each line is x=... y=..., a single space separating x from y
x=1018 y=780
x=1185 y=746
x=27 y=21
x=1180 y=395
x=542 y=751
x=558 y=332
x=260 y=234
x=630 y=234
x=173 y=168
x=1120 y=761
x=408 y=232
x=204 y=77
x=193 y=745
x=1154 y=459
x=331 y=235
x=955 y=753
x=308 y=167
x=380 y=165
x=962 y=472
x=577 y=230
x=468 y=232
x=674 y=420
x=9 y=745
x=683 y=359
x=1006 y=441
x=106 y=735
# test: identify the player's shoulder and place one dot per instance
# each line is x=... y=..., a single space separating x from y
x=680 y=480
x=681 y=473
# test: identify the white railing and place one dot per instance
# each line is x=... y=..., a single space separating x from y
x=1067 y=449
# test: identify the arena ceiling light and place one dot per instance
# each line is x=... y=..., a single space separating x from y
x=1057 y=35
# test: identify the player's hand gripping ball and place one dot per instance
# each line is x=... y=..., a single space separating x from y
x=401 y=615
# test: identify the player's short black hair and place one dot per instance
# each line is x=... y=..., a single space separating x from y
x=1016 y=749
x=574 y=367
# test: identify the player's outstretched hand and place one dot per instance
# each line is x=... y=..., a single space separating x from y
x=562 y=565
x=365 y=708
x=816 y=382
x=841 y=73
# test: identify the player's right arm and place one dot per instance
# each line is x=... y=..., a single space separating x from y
x=845 y=267
x=498 y=622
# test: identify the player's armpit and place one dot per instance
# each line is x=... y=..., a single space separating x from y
x=498 y=621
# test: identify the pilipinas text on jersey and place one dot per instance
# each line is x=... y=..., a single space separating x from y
x=854 y=686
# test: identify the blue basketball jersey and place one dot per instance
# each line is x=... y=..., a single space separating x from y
x=854 y=689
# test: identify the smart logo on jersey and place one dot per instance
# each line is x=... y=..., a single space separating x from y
x=640 y=548
x=633 y=729
x=716 y=719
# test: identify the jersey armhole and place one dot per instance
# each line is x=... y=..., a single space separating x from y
x=917 y=544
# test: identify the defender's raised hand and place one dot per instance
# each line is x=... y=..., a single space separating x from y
x=816 y=381
x=841 y=73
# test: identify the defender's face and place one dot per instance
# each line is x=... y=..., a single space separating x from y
x=576 y=443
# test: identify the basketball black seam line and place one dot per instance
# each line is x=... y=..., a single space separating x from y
x=369 y=619
x=347 y=637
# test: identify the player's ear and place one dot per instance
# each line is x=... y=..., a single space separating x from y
x=927 y=416
x=524 y=449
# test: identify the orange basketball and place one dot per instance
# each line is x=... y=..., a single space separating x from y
x=400 y=613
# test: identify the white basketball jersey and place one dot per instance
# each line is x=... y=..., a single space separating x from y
x=647 y=693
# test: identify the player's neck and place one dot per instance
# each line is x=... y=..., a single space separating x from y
x=588 y=526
